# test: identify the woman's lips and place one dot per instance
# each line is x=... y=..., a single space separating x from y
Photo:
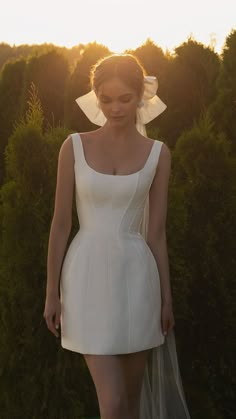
x=117 y=117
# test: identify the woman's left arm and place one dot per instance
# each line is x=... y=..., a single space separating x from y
x=156 y=237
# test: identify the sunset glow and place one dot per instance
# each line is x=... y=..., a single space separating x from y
x=118 y=24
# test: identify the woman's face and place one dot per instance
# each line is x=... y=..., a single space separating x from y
x=118 y=102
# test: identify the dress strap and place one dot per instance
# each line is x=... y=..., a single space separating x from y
x=76 y=147
x=152 y=162
x=158 y=146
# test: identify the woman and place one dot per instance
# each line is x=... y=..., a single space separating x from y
x=115 y=305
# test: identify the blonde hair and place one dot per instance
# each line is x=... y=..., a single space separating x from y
x=126 y=67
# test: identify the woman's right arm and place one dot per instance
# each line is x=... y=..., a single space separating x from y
x=59 y=233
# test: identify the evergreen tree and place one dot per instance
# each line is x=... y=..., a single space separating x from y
x=38 y=378
x=223 y=109
x=79 y=84
x=49 y=72
x=191 y=87
x=11 y=93
x=202 y=244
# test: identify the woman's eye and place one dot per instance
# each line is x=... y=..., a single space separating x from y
x=104 y=100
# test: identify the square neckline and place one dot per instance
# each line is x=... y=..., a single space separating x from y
x=110 y=174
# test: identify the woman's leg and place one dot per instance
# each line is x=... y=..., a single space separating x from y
x=118 y=382
x=134 y=367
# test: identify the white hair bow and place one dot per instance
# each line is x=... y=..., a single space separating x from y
x=149 y=108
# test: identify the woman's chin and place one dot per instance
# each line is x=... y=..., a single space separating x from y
x=119 y=122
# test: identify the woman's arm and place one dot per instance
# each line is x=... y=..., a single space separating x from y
x=156 y=237
x=62 y=216
x=59 y=232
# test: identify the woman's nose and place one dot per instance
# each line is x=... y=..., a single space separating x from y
x=115 y=107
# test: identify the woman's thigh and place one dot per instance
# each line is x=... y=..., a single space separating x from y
x=117 y=376
x=133 y=367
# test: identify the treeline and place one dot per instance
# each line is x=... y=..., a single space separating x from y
x=38 y=88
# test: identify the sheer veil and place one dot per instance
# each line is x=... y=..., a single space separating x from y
x=162 y=395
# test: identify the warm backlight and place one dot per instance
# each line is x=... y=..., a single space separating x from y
x=118 y=24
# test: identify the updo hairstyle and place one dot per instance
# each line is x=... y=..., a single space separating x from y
x=126 y=67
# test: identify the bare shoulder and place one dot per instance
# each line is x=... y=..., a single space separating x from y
x=67 y=145
x=65 y=184
x=164 y=162
x=146 y=140
x=90 y=135
x=66 y=151
x=165 y=153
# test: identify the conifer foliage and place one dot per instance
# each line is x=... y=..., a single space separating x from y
x=38 y=379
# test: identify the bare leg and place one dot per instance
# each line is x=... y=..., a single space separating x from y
x=118 y=382
x=134 y=367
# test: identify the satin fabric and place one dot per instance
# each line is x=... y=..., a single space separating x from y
x=110 y=286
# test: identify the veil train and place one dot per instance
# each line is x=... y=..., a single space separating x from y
x=162 y=395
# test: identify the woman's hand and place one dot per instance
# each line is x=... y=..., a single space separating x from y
x=167 y=318
x=52 y=313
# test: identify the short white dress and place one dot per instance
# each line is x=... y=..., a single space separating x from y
x=110 y=285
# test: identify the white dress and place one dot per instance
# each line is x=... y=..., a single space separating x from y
x=110 y=286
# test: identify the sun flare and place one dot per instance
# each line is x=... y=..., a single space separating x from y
x=118 y=24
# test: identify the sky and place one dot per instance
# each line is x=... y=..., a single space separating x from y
x=118 y=24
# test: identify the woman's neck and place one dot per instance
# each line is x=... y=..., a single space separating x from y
x=122 y=134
